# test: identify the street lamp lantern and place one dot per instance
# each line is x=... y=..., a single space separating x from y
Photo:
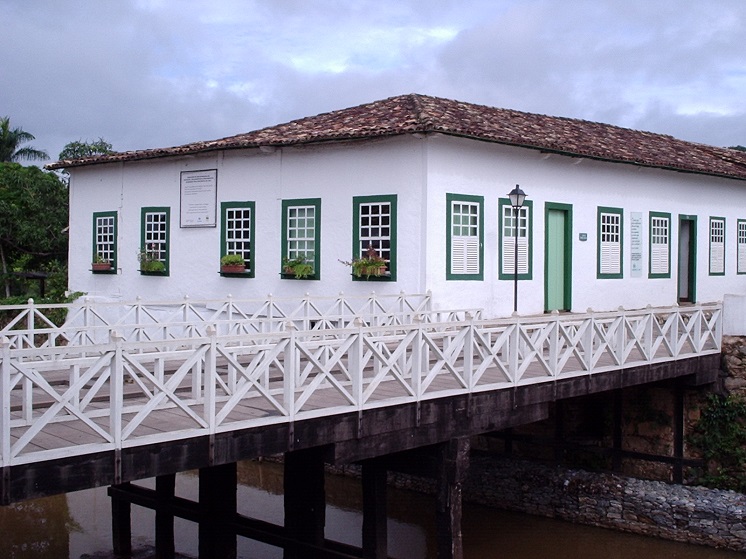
x=517 y=197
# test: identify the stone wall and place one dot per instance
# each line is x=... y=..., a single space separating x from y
x=734 y=362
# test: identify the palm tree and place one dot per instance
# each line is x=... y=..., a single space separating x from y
x=11 y=139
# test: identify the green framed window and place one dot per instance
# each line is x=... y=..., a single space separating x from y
x=511 y=226
x=741 y=247
x=465 y=237
x=659 y=265
x=374 y=226
x=155 y=225
x=105 y=240
x=237 y=226
x=717 y=246
x=301 y=234
x=610 y=234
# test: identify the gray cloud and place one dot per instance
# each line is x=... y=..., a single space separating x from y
x=147 y=73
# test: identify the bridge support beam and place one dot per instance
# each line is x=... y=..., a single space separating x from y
x=217 y=503
x=165 y=490
x=452 y=468
x=121 y=522
x=305 y=503
x=375 y=530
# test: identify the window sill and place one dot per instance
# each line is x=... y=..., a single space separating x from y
x=292 y=277
x=382 y=277
x=108 y=271
x=246 y=274
x=148 y=273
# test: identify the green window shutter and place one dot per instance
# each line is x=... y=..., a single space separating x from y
x=717 y=246
x=155 y=231
x=660 y=245
x=374 y=226
x=237 y=232
x=301 y=232
x=610 y=236
x=507 y=226
x=741 y=249
x=464 y=237
x=105 y=238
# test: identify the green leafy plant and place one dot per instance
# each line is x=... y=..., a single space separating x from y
x=232 y=260
x=371 y=264
x=720 y=435
x=98 y=259
x=150 y=260
x=298 y=267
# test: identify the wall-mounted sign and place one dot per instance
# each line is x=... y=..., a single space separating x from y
x=199 y=195
x=583 y=236
x=636 y=245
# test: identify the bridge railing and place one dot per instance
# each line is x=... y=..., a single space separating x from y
x=88 y=321
x=59 y=401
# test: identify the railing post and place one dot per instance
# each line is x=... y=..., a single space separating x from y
x=419 y=357
x=651 y=318
x=291 y=370
x=675 y=342
x=620 y=337
x=5 y=403
x=356 y=365
x=116 y=381
x=469 y=352
x=554 y=343
x=210 y=378
x=30 y=323
x=513 y=351
x=590 y=329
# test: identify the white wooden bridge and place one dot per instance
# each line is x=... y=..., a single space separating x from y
x=115 y=376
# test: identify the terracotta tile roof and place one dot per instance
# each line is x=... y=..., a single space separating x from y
x=414 y=113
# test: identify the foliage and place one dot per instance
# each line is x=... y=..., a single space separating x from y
x=150 y=260
x=232 y=260
x=720 y=434
x=299 y=267
x=739 y=148
x=10 y=144
x=369 y=265
x=80 y=149
x=33 y=223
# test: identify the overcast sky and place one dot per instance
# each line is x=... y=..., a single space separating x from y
x=158 y=73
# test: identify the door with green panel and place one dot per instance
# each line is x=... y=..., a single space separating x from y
x=558 y=257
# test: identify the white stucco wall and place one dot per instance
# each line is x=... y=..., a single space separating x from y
x=334 y=175
x=420 y=171
x=478 y=168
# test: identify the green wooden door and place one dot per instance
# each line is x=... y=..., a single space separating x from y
x=557 y=259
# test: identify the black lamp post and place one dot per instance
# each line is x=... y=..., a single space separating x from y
x=517 y=197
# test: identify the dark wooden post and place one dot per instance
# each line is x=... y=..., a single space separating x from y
x=375 y=529
x=217 y=502
x=452 y=468
x=305 y=502
x=617 y=426
x=121 y=527
x=165 y=487
x=678 y=433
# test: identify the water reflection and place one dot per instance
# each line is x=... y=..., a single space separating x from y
x=79 y=526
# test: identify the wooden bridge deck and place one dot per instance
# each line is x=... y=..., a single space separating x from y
x=80 y=416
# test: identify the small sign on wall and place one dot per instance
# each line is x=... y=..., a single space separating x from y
x=199 y=194
x=636 y=245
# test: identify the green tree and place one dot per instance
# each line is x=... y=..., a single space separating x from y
x=80 y=149
x=33 y=221
x=11 y=141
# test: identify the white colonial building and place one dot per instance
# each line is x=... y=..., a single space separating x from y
x=613 y=217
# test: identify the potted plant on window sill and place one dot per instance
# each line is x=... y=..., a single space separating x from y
x=299 y=268
x=371 y=264
x=99 y=264
x=232 y=264
x=150 y=264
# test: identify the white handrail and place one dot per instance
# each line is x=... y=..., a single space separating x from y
x=124 y=392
